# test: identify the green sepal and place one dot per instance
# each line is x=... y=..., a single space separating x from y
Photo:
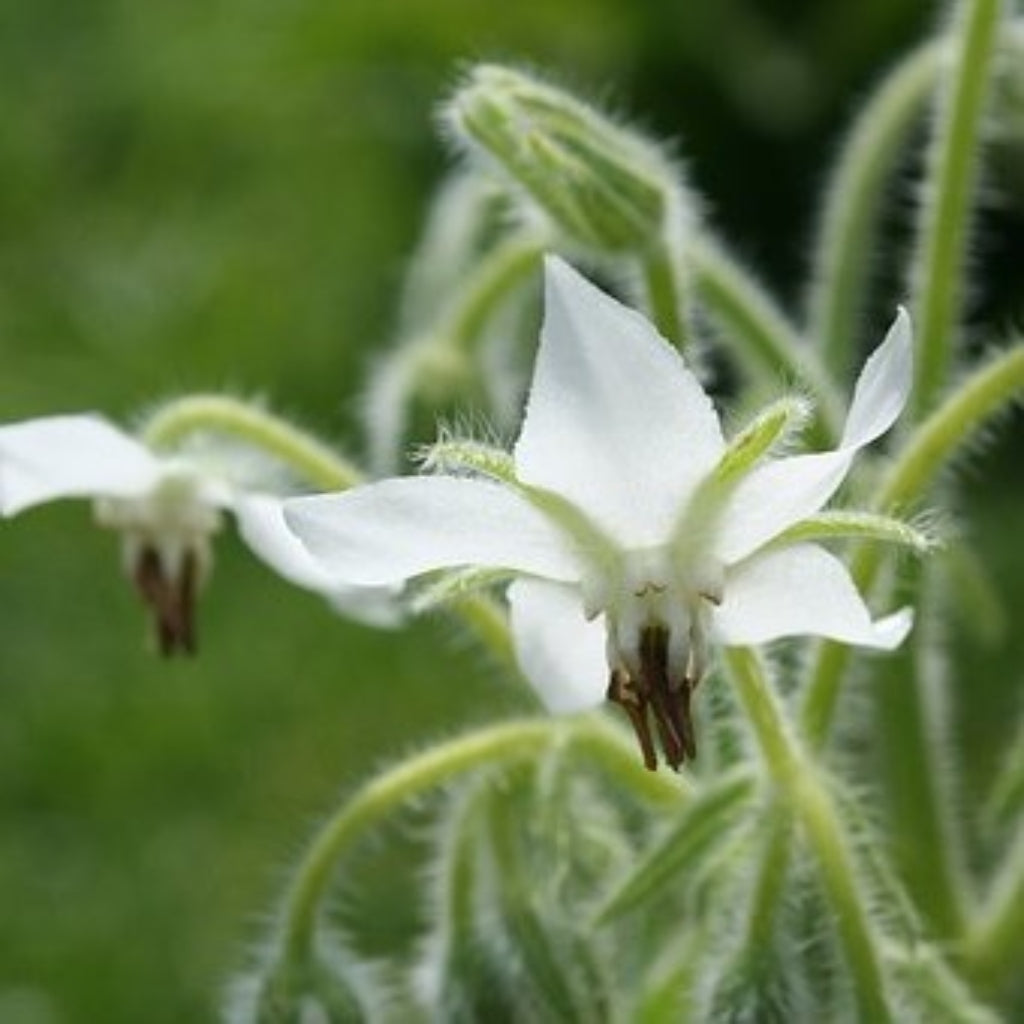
x=766 y=431
x=450 y=454
x=449 y=587
x=849 y=525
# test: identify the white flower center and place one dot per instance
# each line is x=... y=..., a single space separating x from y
x=166 y=550
x=658 y=617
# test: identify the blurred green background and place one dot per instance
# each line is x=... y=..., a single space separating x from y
x=223 y=194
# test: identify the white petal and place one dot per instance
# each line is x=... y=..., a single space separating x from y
x=798 y=591
x=71 y=457
x=559 y=651
x=615 y=422
x=883 y=386
x=776 y=495
x=262 y=526
x=390 y=531
x=781 y=493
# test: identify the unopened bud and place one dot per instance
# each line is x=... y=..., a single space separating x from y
x=603 y=186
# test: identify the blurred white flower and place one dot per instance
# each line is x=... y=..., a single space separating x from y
x=166 y=508
x=632 y=559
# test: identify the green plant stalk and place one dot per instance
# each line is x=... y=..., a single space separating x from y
x=493 y=279
x=308 y=457
x=845 y=248
x=381 y=797
x=991 y=951
x=938 y=262
x=761 y=332
x=926 y=844
x=666 y=292
x=990 y=389
x=385 y=794
x=770 y=882
x=797 y=777
x=489 y=624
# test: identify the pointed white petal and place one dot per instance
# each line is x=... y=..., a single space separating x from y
x=775 y=496
x=390 y=531
x=615 y=421
x=261 y=525
x=70 y=457
x=559 y=651
x=797 y=591
x=883 y=386
x=780 y=493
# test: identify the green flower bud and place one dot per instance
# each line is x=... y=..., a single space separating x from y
x=603 y=186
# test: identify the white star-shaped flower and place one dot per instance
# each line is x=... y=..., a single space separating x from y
x=166 y=508
x=638 y=536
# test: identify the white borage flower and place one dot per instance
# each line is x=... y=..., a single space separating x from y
x=639 y=536
x=166 y=507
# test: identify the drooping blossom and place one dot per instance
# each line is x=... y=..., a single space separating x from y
x=637 y=536
x=167 y=509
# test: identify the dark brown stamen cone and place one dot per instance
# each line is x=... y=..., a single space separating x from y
x=651 y=694
x=170 y=599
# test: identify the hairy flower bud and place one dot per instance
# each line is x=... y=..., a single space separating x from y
x=604 y=187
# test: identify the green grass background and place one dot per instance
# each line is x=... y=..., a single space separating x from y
x=198 y=195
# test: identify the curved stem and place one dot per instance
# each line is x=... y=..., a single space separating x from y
x=928 y=450
x=440 y=350
x=665 y=293
x=383 y=796
x=489 y=623
x=844 y=248
x=387 y=792
x=939 y=258
x=494 y=277
x=798 y=778
x=761 y=332
x=308 y=457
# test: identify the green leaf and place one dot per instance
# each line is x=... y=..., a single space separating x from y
x=708 y=820
x=929 y=985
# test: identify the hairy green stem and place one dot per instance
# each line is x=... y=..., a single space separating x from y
x=770 y=883
x=761 y=333
x=662 y=274
x=928 y=450
x=939 y=258
x=910 y=739
x=489 y=624
x=844 y=248
x=315 y=463
x=799 y=779
x=308 y=457
x=991 y=951
x=382 y=797
x=433 y=767
x=495 y=276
